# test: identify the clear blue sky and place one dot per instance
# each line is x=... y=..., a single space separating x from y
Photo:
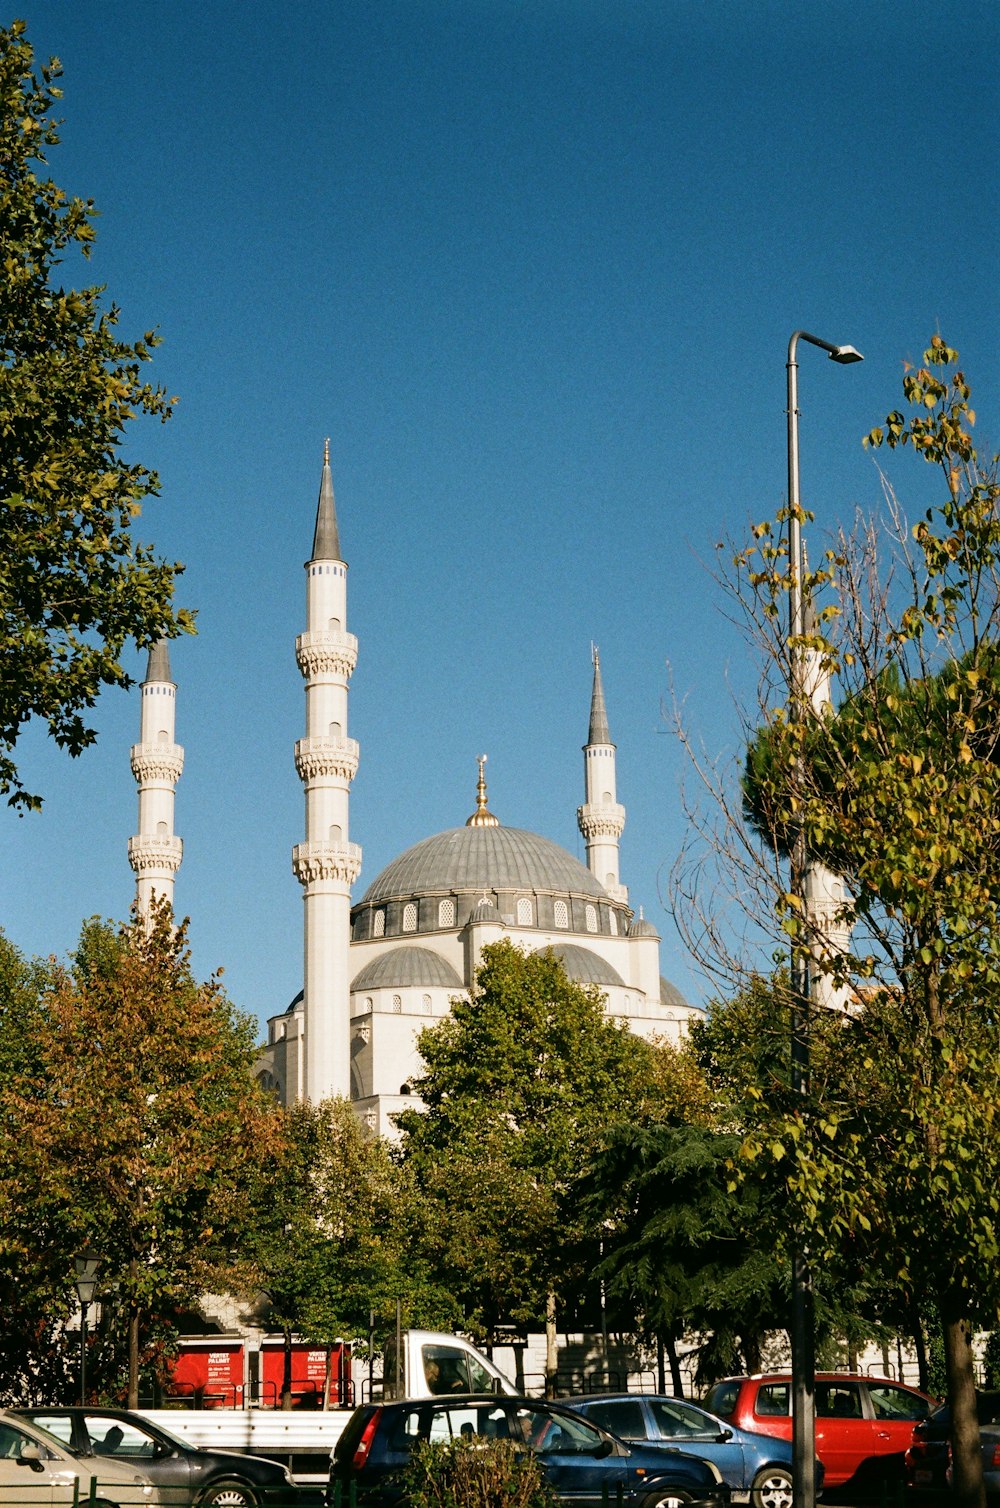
x=533 y=268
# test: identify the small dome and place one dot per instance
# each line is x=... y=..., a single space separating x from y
x=640 y=927
x=407 y=966
x=291 y=1009
x=671 y=995
x=583 y=966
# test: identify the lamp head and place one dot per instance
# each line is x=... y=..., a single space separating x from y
x=86 y=1264
x=845 y=355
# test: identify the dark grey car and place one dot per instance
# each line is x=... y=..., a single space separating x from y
x=183 y=1473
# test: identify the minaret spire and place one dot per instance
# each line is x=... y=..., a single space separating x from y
x=601 y=819
x=326 y=864
x=157 y=761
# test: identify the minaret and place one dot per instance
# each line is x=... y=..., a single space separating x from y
x=823 y=890
x=155 y=853
x=326 y=864
x=601 y=819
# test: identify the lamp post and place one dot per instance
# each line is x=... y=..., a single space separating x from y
x=86 y=1265
x=802 y=1326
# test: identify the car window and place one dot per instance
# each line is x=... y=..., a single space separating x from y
x=446 y=1369
x=622 y=1417
x=892 y=1402
x=838 y=1400
x=467 y=1421
x=121 y=1439
x=12 y=1442
x=60 y=1425
x=552 y=1434
x=772 y=1400
x=677 y=1420
x=722 y=1397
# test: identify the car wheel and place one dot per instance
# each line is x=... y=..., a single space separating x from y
x=228 y=1492
x=667 y=1497
x=772 y=1488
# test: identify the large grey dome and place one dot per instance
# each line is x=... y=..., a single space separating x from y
x=583 y=966
x=412 y=966
x=483 y=858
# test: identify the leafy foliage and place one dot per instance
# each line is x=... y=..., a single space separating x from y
x=474 y=1474
x=74 y=586
x=521 y=1084
x=134 y=1126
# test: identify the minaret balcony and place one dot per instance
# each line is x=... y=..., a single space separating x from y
x=601 y=819
x=326 y=861
x=328 y=653
x=155 y=855
x=326 y=758
x=163 y=762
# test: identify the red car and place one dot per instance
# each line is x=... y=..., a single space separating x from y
x=863 y=1424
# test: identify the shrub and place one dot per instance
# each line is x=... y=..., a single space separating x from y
x=474 y=1473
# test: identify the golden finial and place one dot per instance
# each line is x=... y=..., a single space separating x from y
x=326 y=451
x=482 y=817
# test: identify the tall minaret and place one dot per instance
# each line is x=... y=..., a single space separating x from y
x=326 y=864
x=824 y=890
x=155 y=853
x=601 y=819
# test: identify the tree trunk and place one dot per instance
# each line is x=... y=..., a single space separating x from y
x=752 y=1353
x=133 y=1358
x=968 y=1490
x=920 y=1346
x=677 y=1381
x=286 y=1372
x=551 y=1350
x=133 y=1337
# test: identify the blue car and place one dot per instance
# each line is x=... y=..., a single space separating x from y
x=584 y=1465
x=757 y=1468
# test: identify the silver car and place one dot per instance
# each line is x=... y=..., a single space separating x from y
x=36 y=1468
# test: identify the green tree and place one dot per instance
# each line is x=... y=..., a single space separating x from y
x=74 y=585
x=336 y=1236
x=896 y=1156
x=521 y=1083
x=136 y=1126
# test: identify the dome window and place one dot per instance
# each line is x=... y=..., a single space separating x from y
x=397 y=1004
x=591 y=918
x=446 y=913
x=410 y=917
x=378 y=929
x=613 y=921
x=426 y=1003
x=525 y=916
x=560 y=914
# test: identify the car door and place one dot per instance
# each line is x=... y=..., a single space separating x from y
x=579 y=1463
x=42 y=1480
x=131 y=1443
x=895 y=1411
x=844 y=1436
x=690 y=1430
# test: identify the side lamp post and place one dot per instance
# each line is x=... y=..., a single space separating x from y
x=802 y=1327
x=86 y=1264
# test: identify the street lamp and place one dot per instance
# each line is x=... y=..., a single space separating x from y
x=86 y=1265
x=802 y=1327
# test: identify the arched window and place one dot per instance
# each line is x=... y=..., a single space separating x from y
x=446 y=913
x=524 y=912
x=397 y=1004
x=336 y=834
x=561 y=914
x=613 y=922
x=426 y=1003
x=410 y=917
x=591 y=918
x=378 y=929
x=335 y=730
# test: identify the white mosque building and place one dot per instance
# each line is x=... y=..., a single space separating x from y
x=377 y=971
